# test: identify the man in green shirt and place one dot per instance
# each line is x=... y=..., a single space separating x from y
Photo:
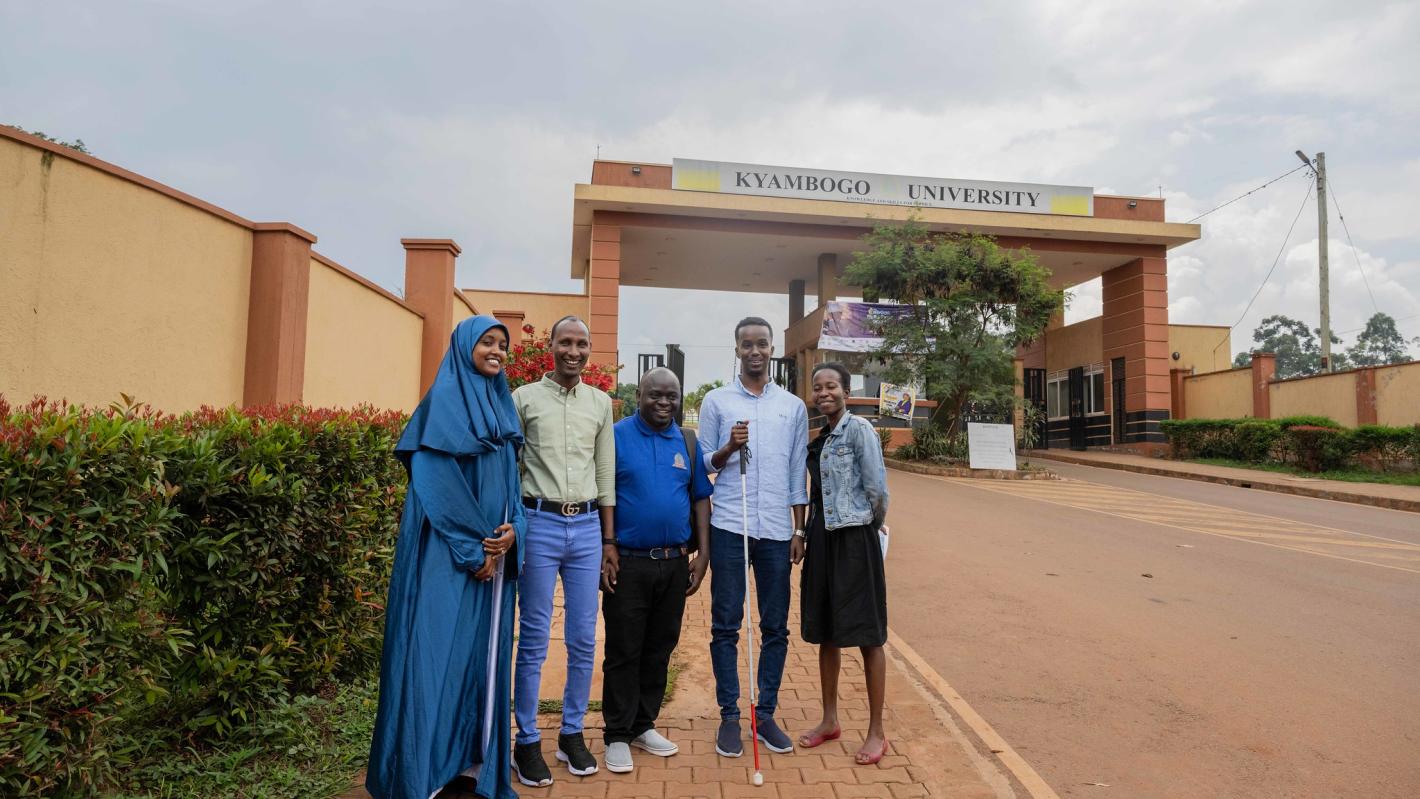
x=569 y=488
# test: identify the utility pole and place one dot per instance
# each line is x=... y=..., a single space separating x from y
x=1319 y=166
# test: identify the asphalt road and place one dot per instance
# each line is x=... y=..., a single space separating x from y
x=1169 y=638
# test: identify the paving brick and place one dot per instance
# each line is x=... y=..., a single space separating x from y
x=871 y=774
x=913 y=790
x=844 y=775
x=635 y=790
x=849 y=791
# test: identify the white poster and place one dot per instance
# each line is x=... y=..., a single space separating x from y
x=991 y=446
x=866 y=187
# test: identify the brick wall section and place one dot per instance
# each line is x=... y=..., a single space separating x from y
x=428 y=286
x=604 y=288
x=1136 y=328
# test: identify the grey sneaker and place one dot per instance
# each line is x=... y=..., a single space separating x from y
x=727 y=740
x=618 y=758
x=572 y=750
x=771 y=736
x=655 y=743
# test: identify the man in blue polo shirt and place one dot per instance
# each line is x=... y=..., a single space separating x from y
x=646 y=575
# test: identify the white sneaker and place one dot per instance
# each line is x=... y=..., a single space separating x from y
x=618 y=758
x=655 y=743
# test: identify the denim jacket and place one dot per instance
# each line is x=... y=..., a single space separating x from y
x=852 y=475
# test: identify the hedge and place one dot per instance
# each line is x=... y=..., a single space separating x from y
x=180 y=574
x=1316 y=443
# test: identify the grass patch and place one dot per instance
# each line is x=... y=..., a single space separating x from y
x=310 y=748
x=1347 y=475
x=595 y=706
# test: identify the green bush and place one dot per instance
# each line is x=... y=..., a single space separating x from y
x=1201 y=438
x=1318 y=448
x=1255 y=440
x=933 y=444
x=1310 y=421
x=1386 y=446
x=181 y=575
x=84 y=515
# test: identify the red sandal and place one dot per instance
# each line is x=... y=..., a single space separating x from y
x=872 y=759
x=810 y=741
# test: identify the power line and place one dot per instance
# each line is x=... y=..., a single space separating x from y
x=1275 y=261
x=1393 y=319
x=1354 y=256
x=1240 y=196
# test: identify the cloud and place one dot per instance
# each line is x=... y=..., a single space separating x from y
x=368 y=122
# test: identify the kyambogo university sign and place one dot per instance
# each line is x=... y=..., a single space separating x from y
x=862 y=187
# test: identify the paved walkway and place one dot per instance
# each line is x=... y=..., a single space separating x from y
x=930 y=755
x=1381 y=495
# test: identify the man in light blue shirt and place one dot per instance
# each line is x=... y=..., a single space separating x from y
x=775 y=425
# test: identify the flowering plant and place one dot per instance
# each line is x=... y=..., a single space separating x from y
x=530 y=360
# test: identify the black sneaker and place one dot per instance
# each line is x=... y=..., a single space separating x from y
x=529 y=765
x=771 y=736
x=727 y=740
x=572 y=750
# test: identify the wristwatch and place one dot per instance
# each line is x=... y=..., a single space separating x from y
x=799 y=532
x=608 y=542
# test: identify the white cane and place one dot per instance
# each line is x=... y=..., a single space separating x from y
x=493 y=634
x=749 y=613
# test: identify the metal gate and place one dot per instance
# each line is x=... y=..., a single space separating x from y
x=1116 y=373
x=1035 y=395
x=1077 y=408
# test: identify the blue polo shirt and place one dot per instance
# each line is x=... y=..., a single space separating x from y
x=652 y=476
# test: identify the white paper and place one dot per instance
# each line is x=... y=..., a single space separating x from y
x=991 y=446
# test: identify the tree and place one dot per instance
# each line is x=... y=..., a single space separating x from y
x=693 y=399
x=1380 y=343
x=973 y=302
x=1295 y=345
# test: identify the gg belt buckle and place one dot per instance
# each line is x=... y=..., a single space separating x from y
x=571 y=508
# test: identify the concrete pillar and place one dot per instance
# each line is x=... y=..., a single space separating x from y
x=513 y=320
x=604 y=288
x=796 y=301
x=429 y=289
x=1366 y=395
x=827 y=278
x=276 y=314
x=1136 y=328
x=1264 y=369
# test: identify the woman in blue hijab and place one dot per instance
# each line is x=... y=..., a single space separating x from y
x=444 y=672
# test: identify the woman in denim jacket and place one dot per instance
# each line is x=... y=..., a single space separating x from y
x=843 y=596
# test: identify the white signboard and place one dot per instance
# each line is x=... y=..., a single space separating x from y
x=991 y=446
x=864 y=187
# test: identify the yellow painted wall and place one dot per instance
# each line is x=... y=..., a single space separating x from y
x=361 y=346
x=1218 y=395
x=461 y=311
x=539 y=310
x=1202 y=348
x=1080 y=344
x=109 y=287
x=1398 y=394
x=1327 y=395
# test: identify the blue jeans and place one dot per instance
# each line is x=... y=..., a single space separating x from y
x=770 y=561
x=572 y=547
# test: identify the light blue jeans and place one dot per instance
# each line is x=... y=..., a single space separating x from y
x=572 y=547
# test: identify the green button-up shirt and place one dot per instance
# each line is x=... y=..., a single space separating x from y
x=569 y=454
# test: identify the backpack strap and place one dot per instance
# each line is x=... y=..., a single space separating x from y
x=692 y=451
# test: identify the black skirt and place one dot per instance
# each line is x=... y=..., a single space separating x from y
x=842 y=593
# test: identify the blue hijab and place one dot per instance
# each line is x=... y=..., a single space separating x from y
x=464 y=412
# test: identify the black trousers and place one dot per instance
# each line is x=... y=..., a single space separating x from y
x=642 y=629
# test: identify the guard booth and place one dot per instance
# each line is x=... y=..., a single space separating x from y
x=744 y=227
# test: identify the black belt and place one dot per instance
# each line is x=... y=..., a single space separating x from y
x=563 y=508
x=654 y=553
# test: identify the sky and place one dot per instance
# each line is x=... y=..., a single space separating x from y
x=367 y=122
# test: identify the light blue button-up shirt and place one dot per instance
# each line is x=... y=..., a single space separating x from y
x=779 y=441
